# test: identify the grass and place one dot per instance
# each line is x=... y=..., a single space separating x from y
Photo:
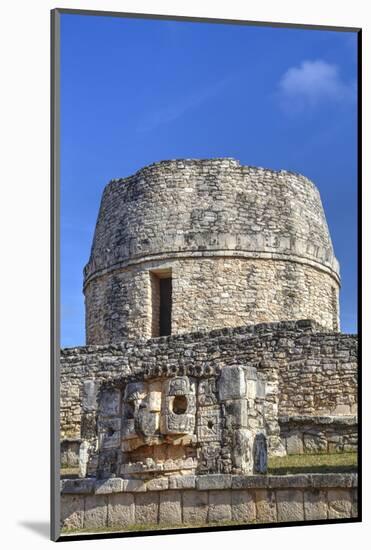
x=290 y=464
x=313 y=464
x=68 y=472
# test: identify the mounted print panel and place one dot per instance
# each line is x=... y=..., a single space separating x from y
x=208 y=367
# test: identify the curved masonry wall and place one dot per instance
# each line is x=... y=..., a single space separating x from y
x=236 y=238
x=210 y=499
x=208 y=294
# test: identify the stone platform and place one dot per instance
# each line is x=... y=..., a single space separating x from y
x=209 y=499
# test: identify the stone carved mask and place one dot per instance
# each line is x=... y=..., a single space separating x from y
x=183 y=424
x=158 y=424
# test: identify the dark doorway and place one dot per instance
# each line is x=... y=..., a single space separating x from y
x=165 y=306
x=161 y=298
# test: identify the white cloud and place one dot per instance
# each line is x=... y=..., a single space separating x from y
x=314 y=82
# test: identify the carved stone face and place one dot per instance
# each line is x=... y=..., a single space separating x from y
x=158 y=425
x=182 y=425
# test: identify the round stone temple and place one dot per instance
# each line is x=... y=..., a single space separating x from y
x=189 y=245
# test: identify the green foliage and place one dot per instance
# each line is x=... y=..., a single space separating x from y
x=313 y=463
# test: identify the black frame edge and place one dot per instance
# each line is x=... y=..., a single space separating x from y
x=359 y=263
x=195 y=19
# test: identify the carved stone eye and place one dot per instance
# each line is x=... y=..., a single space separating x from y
x=180 y=404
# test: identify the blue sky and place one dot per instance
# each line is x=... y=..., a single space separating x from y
x=136 y=91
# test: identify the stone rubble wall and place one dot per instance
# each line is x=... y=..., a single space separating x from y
x=245 y=245
x=209 y=499
x=319 y=434
x=320 y=377
x=305 y=372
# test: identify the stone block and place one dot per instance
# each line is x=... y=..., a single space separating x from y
x=341 y=409
x=89 y=396
x=242 y=450
x=236 y=411
x=77 y=486
x=251 y=389
x=109 y=433
x=154 y=396
x=107 y=486
x=182 y=482
x=219 y=506
x=260 y=389
x=243 y=506
x=88 y=425
x=195 y=507
x=158 y=484
x=72 y=511
x=249 y=482
x=333 y=480
x=83 y=458
x=290 y=505
x=214 y=481
x=146 y=508
x=70 y=452
x=170 y=508
x=339 y=503
x=315 y=504
x=134 y=486
x=232 y=383
x=109 y=404
x=121 y=510
x=289 y=481
x=294 y=444
x=314 y=443
x=250 y=373
x=265 y=501
x=96 y=510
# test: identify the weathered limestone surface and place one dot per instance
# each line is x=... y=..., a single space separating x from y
x=263 y=499
x=304 y=372
x=219 y=506
x=243 y=506
x=315 y=504
x=244 y=245
x=121 y=509
x=72 y=511
x=266 y=508
x=339 y=503
x=289 y=505
x=318 y=434
x=195 y=506
x=207 y=294
x=96 y=511
x=170 y=508
x=146 y=508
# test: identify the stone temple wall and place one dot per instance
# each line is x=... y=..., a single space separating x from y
x=308 y=374
x=242 y=245
x=321 y=375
